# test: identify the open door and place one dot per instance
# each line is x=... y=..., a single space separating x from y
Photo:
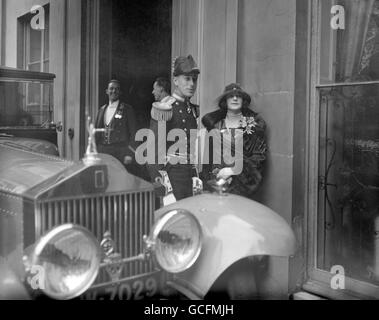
x=135 y=48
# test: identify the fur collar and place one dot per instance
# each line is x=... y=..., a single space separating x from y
x=210 y=120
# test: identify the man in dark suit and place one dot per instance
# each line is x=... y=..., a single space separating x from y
x=161 y=89
x=177 y=112
x=119 y=121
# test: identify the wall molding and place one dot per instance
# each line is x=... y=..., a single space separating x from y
x=74 y=75
x=2 y=32
x=92 y=59
x=231 y=41
x=58 y=66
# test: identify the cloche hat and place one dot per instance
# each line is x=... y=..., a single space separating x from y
x=232 y=90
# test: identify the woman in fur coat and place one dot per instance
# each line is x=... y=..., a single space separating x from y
x=235 y=122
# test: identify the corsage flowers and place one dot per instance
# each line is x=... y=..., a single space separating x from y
x=248 y=124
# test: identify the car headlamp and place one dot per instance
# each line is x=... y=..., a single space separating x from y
x=67 y=261
x=176 y=240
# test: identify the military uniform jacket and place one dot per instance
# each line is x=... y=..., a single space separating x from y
x=121 y=130
x=184 y=115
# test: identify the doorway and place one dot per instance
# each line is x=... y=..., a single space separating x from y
x=135 y=48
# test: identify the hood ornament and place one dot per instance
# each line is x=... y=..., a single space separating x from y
x=90 y=156
x=114 y=265
x=220 y=186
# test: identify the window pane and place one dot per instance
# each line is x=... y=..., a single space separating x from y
x=47 y=94
x=46 y=66
x=12 y=105
x=48 y=102
x=352 y=53
x=34 y=101
x=35 y=67
x=34 y=92
x=348 y=197
x=35 y=45
x=46 y=39
x=11 y=100
x=17 y=110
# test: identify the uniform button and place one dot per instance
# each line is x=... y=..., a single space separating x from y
x=177 y=103
x=180 y=111
x=184 y=120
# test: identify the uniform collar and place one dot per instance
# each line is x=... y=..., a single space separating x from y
x=178 y=97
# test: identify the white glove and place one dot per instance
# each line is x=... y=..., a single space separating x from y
x=225 y=173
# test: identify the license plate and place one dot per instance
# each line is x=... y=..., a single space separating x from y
x=145 y=287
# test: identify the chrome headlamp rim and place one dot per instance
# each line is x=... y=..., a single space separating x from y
x=158 y=227
x=48 y=237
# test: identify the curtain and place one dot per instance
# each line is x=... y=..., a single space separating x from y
x=354 y=38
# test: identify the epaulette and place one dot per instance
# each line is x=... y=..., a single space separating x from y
x=162 y=111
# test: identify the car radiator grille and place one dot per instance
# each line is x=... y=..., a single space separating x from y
x=127 y=216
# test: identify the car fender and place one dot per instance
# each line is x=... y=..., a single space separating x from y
x=233 y=228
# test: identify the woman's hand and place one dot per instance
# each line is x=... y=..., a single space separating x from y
x=225 y=173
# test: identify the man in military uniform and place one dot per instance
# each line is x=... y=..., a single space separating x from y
x=177 y=112
x=119 y=121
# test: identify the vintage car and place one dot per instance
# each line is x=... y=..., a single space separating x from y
x=90 y=229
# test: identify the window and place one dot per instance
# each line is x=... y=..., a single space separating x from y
x=344 y=152
x=34 y=48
